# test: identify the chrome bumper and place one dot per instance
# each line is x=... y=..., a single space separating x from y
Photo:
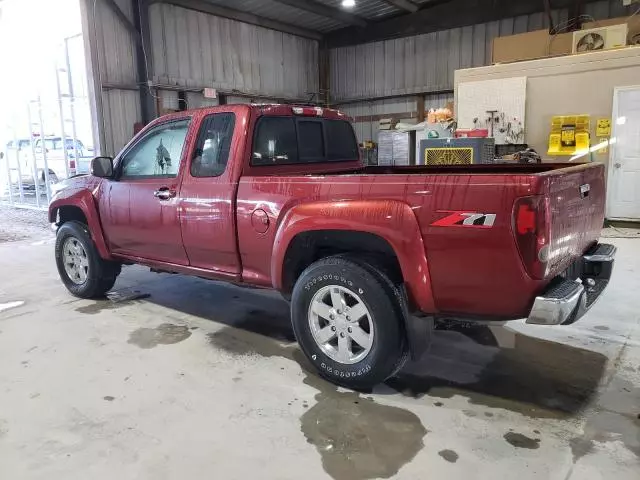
x=566 y=300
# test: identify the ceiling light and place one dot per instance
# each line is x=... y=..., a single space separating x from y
x=348 y=3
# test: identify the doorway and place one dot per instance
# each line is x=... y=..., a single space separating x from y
x=623 y=185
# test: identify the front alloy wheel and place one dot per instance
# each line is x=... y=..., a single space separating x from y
x=75 y=260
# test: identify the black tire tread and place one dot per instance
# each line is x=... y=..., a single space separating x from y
x=376 y=276
x=376 y=268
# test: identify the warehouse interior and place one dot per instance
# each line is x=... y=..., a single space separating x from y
x=170 y=375
x=380 y=62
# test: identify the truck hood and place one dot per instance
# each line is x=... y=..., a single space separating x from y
x=77 y=182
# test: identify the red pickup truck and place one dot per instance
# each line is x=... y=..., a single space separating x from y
x=276 y=196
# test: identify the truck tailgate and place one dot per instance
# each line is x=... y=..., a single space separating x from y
x=576 y=206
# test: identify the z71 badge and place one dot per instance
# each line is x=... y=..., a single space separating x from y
x=465 y=219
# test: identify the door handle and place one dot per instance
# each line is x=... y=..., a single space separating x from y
x=164 y=193
x=617 y=165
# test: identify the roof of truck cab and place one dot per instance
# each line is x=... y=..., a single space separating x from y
x=276 y=109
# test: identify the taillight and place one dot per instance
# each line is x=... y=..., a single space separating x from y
x=532 y=229
x=72 y=164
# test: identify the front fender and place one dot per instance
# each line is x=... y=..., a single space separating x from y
x=392 y=220
x=85 y=201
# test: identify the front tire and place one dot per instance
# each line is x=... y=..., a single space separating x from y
x=348 y=322
x=81 y=269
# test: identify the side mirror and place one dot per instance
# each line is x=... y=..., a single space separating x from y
x=102 y=167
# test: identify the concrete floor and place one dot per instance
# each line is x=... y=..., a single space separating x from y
x=202 y=379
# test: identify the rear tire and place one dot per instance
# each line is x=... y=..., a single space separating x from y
x=81 y=269
x=361 y=287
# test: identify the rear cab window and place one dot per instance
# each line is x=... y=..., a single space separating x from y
x=283 y=140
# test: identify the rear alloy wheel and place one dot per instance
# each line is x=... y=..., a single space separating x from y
x=341 y=324
x=348 y=322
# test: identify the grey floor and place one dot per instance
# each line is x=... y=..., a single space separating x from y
x=203 y=380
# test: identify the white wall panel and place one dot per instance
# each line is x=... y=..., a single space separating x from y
x=194 y=49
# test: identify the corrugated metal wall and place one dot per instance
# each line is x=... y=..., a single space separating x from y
x=426 y=63
x=422 y=63
x=608 y=9
x=116 y=66
x=194 y=49
x=367 y=129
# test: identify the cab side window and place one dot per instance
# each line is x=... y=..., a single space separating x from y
x=211 y=155
x=158 y=154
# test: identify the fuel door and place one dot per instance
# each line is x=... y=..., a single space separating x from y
x=260 y=220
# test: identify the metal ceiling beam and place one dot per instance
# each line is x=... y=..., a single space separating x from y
x=434 y=16
x=325 y=11
x=403 y=5
x=246 y=17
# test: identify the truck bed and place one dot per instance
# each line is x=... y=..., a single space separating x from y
x=524 y=168
x=471 y=267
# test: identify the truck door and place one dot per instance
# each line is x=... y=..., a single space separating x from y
x=139 y=210
x=207 y=195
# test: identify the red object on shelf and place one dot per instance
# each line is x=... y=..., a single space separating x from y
x=472 y=133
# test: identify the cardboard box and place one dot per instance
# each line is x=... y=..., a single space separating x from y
x=539 y=44
x=530 y=46
x=633 y=24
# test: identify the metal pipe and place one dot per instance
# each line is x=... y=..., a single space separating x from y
x=6 y=160
x=47 y=186
x=62 y=135
x=33 y=155
x=72 y=101
x=348 y=101
x=19 y=167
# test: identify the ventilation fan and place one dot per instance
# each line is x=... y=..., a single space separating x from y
x=590 y=41
x=600 y=38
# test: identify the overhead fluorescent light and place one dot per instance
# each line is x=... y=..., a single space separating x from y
x=348 y=3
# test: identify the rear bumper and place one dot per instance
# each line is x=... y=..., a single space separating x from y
x=567 y=299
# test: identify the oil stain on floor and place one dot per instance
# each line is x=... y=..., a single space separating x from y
x=449 y=455
x=356 y=437
x=615 y=419
x=164 y=334
x=519 y=440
